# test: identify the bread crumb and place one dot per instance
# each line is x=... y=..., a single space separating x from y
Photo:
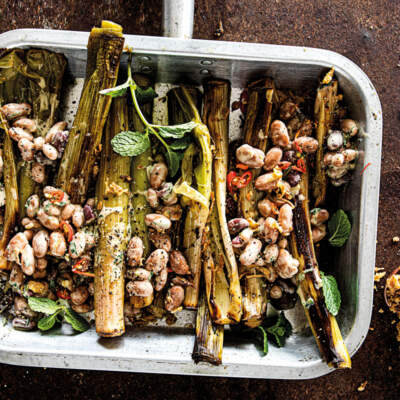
x=395 y=239
x=381 y=311
x=361 y=388
x=371 y=329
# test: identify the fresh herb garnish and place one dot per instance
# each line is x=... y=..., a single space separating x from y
x=339 y=228
x=331 y=293
x=129 y=143
x=56 y=311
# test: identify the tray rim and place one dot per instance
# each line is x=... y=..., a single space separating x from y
x=207 y=49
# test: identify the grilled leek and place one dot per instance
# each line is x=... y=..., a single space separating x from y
x=261 y=98
x=75 y=172
x=216 y=117
x=324 y=111
x=114 y=228
x=323 y=324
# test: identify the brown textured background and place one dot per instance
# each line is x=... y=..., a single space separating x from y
x=366 y=31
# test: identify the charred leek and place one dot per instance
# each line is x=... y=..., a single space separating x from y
x=216 y=116
x=113 y=228
x=75 y=173
x=323 y=324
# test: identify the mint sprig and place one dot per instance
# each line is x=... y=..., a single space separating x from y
x=339 y=228
x=331 y=293
x=56 y=311
x=128 y=143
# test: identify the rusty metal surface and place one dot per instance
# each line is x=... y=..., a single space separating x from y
x=367 y=32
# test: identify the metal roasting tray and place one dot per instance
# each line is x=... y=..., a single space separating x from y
x=168 y=349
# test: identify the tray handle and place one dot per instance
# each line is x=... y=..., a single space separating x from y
x=178 y=18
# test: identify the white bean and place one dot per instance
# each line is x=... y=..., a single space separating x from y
x=50 y=152
x=40 y=243
x=250 y=253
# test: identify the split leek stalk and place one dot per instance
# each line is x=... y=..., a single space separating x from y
x=139 y=185
x=216 y=117
x=197 y=213
x=324 y=111
x=209 y=338
x=323 y=324
x=261 y=98
x=75 y=172
x=44 y=71
x=114 y=228
x=11 y=189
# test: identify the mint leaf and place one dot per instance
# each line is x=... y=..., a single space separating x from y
x=77 y=322
x=144 y=96
x=281 y=330
x=173 y=160
x=43 y=305
x=181 y=144
x=48 y=322
x=339 y=228
x=263 y=340
x=176 y=131
x=331 y=293
x=117 y=91
x=129 y=144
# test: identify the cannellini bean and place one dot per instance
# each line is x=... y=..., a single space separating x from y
x=245 y=235
x=318 y=233
x=78 y=217
x=79 y=295
x=271 y=253
x=30 y=223
x=337 y=172
x=27 y=124
x=236 y=225
x=158 y=174
x=38 y=173
x=152 y=198
x=139 y=288
x=77 y=245
x=67 y=212
x=250 y=253
x=307 y=144
x=58 y=127
x=156 y=261
x=285 y=219
x=271 y=231
x=16 y=276
x=40 y=243
x=349 y=155
x=50 y=151
x=173 y=212
x=134 y=252
x=272 y=158
x=15 y=247
x=334 y=140
x=161 y=280
x=287 y=110
x=237 y=243
x=20 y=304
x=57 y=243
x=82 y=308
x=283 y=243
x=15 y=110
x=38 y=143
x=32 y=205
x=267 y=182
x=279 y=134
x=178 y=263
x=18 y=133
x=267 y=208
x=174 y=298
x=139 y=274
x=250 y=156
x=28 y=261
x=51 y=209
x=26 y=148
x=48 y=221
x=286 y=265
x=319 y=216
x=158 y=222
x=23 y=324
x=161 y=241
x=349 y=126
x=337 y=160
x=41 y=264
